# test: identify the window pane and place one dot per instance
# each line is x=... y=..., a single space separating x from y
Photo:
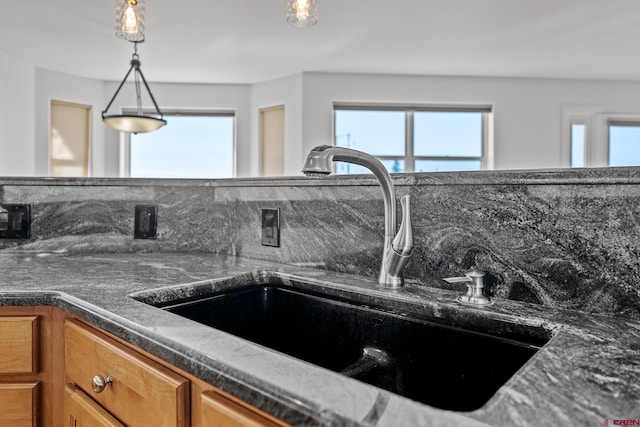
x=188 y=147
x=393 y=166
x=448 y=134
x=447 y=165
x=624 y=145
x=577 y=145
x=381 y=133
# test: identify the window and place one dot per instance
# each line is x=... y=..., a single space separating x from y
x=192 y=145
x=413 y=139
x=624 y=144
x=69 y=139
x=578 y=143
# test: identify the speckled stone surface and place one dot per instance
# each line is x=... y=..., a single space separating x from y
x=588 y=372
x=563 y=238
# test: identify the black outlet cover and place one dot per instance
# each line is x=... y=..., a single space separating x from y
x=15 y=221
x=271 y=227
x=146 y=222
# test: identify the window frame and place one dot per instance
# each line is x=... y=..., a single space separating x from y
x=409 y=157
x=597 y=121
x=125 y=151
x=621 y=121
x=599 y=156
x=591 y=117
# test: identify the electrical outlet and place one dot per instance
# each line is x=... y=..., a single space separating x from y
x=271 y=227
x=15 y=222
x=146 y=222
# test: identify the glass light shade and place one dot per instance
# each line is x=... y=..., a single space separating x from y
x=134 y=124
x=130 y=20
x=302 y=13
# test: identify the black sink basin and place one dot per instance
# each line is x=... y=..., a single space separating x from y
x=439 y=365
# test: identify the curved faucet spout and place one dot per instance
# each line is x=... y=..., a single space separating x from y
x=397 y=247
x=319 y=161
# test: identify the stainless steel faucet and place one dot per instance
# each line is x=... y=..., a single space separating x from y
x=397 y=246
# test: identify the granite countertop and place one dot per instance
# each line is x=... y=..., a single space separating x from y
x=587 y=373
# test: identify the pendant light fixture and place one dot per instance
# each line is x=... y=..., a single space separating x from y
x=130 y=20
x=302 y=13
x=138 y=122
x=130 y=27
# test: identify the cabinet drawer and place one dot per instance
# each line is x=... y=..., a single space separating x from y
x=143 y=393
x=217 y=410
x=19 y=349
x=19 y=405
x=81 y=411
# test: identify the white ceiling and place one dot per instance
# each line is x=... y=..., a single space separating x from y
x=248 y=41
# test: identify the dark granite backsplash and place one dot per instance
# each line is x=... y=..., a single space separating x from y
x=566 y=239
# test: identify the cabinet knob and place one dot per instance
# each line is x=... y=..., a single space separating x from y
x=100 y=382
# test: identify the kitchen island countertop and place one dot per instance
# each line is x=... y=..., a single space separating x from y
x=589 y=371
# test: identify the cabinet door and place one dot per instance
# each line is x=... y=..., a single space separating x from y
x=19 y=405
x=81 y=411
x=18 y=352
x=219 y=411
x=142 y=393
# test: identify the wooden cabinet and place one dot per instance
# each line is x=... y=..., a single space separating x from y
x=145 y=390
x=81 y=411
x=218 y=410
x=211 y=406
x=24 y=375
x=19 y=350
x=19 y=404
x=140 y=392
x=49 y=358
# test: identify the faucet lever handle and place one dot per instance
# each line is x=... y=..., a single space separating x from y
x=402 y=243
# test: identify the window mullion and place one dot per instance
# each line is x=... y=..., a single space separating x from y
x=408 y=155
x=485 y=142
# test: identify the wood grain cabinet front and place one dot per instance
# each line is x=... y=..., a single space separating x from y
x=19 y=403
x=19 y=368
x=134 y=389
x=57 y=371
x=19 y=349
x=81 y=411
x=220 y=411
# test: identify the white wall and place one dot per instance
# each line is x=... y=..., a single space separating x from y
x=53 y=86
x=175 y=96
x=17 y=103
x=286 y=91
x=528 y=113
